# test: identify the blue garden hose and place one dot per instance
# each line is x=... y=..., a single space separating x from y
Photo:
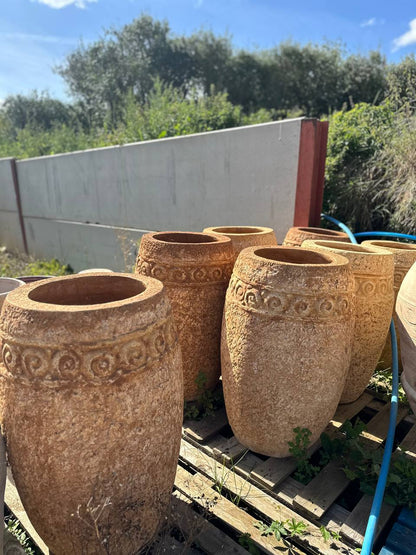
x=384 y=470
x=342 y=226
x=384 y=234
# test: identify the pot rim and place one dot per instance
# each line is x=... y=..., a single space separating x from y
x=17 y=283
x=327 y=260
x=206 y=238
x=321 y=231
x=140 y=288
x=227 y=230
x=393 y=245
x=346 y=247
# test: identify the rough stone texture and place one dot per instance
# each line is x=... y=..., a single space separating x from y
x=374 y=297
x=245 y=236
x=286 y=344
x=406 y=319
x=297 y=235
x=404 y=256
x=195 y=269
x=92 y=405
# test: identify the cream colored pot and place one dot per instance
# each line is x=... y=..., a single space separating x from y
x=286 y=344
x=374 y=298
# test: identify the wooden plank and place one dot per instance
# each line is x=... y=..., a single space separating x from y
x=353 y=529
x=408 y=445
x=199 y=489
x=273 y=471
x=254 y=497
x=199 y=531
x=328 y=485
x=317 y=496
x=12 y=500
x=201 y=430
x=378 y=426
x=229 y=450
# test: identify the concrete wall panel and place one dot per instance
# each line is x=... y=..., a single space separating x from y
x=245 y=175
x=83 y=245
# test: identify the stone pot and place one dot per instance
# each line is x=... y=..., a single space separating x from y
x=31 y=279
x=374 y=297
x=95 y=270
x=286 y=344
x=406 y=320
x=297 y=235
x=93 y=406
x=404 y=256
x=245 y=236
x=7 y=285
x=195 y=269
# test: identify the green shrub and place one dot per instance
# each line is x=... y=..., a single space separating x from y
x=352 y=190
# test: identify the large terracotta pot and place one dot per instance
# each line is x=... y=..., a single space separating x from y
x=406 y=320
x=93 y=405
x=245 y=236
x=195 y=269
x=286 y=344
x=404 y=256
x=297 y=235
x=7 y=285
x=374 y=298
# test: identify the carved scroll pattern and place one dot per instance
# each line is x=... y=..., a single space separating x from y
x=373 y=287
x=186 y=275
x=289 y=304
x=97 y=364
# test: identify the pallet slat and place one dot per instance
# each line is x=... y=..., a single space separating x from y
x=253 y=497
x=200 y=489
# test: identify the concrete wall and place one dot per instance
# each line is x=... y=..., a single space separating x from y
x=85 y=207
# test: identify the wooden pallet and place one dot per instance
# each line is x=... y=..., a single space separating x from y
x=213 y=460
x=222 y=490
x=189 y=530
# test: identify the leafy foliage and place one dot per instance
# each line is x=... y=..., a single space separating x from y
x=16 y=264
x=359 y=462
x=283 y=528
x=246 y=541
x=207 y=403
x=299 y=449
x=351 y=191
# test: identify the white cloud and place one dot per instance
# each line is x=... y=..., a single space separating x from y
x=58 y=4
x=407 y=38
x=369 y=23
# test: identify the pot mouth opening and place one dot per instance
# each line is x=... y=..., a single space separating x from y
x=9 y=284
x=87 y=290
x=338 y=245
x=322 y=231
x=394 y=245
x=237 y=230
x=184 y=237
x=293 y=255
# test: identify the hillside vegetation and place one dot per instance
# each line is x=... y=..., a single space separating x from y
x=142 y=82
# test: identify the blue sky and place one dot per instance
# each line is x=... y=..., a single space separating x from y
x=35 y=35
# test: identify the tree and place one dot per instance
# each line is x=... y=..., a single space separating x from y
x=364 y=78
x=37 y=110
